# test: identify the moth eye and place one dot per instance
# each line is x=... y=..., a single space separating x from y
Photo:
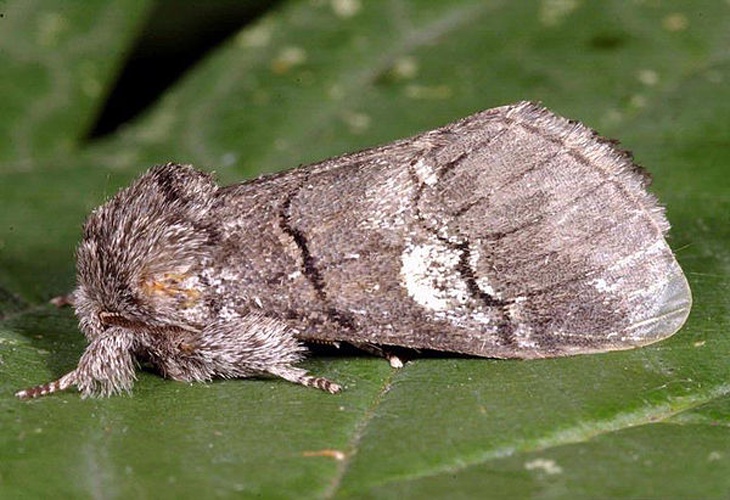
x=108 y=318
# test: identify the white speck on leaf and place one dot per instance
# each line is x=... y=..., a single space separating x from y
x=546 y=465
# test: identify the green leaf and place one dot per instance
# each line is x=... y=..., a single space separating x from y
x=308 y=80
x=58 y=60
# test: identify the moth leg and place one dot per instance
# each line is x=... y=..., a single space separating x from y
x=300 y=376
x=105 y=368
x=252 y=345
x=376 y=350
x=37 y=391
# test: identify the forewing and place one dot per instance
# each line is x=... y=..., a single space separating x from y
x=512 y=233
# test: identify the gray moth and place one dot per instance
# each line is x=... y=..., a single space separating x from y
x=512 y=233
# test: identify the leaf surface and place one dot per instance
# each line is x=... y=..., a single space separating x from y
x=309 y=80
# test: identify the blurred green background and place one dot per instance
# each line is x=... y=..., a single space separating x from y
x=94 y=92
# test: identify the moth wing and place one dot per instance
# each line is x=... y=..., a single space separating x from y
x=511 y=233
x=561 y=233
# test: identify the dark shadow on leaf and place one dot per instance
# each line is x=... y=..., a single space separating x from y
x=177 y=36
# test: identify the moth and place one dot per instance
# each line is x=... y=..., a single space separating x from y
x=512 y=233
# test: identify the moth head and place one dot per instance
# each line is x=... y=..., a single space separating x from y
x=140 y=251
x=137 y=252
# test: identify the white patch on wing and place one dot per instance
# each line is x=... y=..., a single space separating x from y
x=657 y=248
x=429 y=274
x=484 y=286
x=425 y=173
x=483 y=281
x=522 y=332
x=602 y=285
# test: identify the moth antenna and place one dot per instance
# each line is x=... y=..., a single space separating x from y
x=300 y=376
x=37 y=391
